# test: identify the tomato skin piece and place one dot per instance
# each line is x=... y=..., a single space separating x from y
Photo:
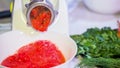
x=39 y=54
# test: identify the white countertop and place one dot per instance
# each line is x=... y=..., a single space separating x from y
x=80 y=18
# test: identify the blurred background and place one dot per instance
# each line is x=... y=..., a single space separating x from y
x=82 y=14
x=4 y=4
x=5 y=16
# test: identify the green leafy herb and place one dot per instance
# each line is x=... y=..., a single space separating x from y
x=100 y=63
x=96 y=43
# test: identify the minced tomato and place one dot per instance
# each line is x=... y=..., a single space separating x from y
x=39 y=54
x=40 y=18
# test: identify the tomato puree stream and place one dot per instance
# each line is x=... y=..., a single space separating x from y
x=39 y=54
x=40 y=17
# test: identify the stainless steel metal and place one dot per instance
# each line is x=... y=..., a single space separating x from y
x=35 y=3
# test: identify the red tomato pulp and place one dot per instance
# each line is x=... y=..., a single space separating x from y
x=39 y=54
x=40 y=17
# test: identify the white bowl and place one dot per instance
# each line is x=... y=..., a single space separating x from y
x=103 y=6
x=13 y=40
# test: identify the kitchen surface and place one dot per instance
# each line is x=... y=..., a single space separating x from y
x=79 y=16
